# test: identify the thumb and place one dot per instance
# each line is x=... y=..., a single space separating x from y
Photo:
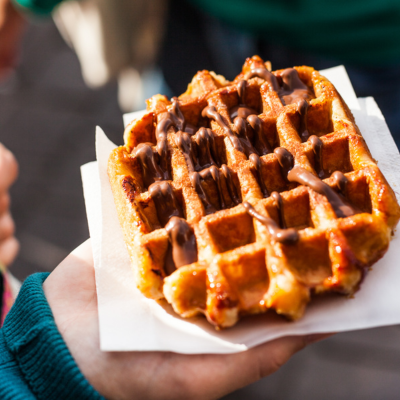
x=272 y=355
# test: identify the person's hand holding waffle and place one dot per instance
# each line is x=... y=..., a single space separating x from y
x=240 y=197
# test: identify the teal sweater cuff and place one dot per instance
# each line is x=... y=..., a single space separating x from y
x=38 y=7
x=36 y=351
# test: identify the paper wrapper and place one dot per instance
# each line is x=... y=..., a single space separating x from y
x=129 y=321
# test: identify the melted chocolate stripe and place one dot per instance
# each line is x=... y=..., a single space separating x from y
x=241 y=110
x=230 y=185
x=173 y=118
x=285 y=160
x=151 y=171
x=167 y=205
x=295 y=91
x=302 y=109
x=255 y=160
x=316 y=145
x=206 y=147
x=211 y=112
x=340 y=181
x=304 y=177
x=214 y=173
x=185 y=145
x=183 y=242
x=279 y=206
x=288 y=236
x=293 y=86
x=195 y=179
x=268 y=76
x=241 y=129
x=162 y=147
x=241 y=90
x=261 y=144
x=179 y=119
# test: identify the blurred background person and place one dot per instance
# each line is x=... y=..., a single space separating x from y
x=364 y=35
x=49 y=107
x=11 y=29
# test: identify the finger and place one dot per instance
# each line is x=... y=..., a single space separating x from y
x=4 y=202
x=273 y=355
x=8 y=168
x=9 y=250
x=247 y=367
x=7 y=227
x=260 y=361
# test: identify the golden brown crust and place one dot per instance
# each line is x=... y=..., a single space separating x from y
x=241 y=268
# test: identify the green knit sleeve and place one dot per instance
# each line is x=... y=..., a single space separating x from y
x=39 y=7
x=35 y=362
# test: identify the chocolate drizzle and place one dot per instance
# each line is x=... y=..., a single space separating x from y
x=340 y=181
x=278 y=202
x=214 y=173
x=241 y=90
x=304 y=177
x=185 y=145
x=295 y=91
x=211 y=112
x=162 y=147
x=206 y=148
x=239 y=115
x=260 y=143
x=241 y=110
x=302 y=109
x=241 y=129
x=285 y=160
x=183 y=242
x=179 y=119
x=195 y=179
x=268 y=76
x=173 y=118
x=230 y=185
x=151 y=170
x=255 y=160
x=166 y=203
x=287 y=236
x=316 y=145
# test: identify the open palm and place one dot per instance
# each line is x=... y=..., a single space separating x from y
x=71 y=293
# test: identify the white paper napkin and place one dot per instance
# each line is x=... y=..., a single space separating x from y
x=129 y=321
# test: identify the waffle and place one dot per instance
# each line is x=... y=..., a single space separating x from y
x=240 y=197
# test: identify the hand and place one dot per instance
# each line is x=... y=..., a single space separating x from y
x=8 y=172
x=11 y=29
x=71 y=293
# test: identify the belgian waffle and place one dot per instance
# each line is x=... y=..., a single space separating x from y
x=244 y=196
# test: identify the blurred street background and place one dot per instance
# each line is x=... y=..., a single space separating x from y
x=47 y=119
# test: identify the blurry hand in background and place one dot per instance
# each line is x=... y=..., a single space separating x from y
x=11 y=29
x=8 y=172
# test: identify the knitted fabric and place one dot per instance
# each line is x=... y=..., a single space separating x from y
x=34 y=359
